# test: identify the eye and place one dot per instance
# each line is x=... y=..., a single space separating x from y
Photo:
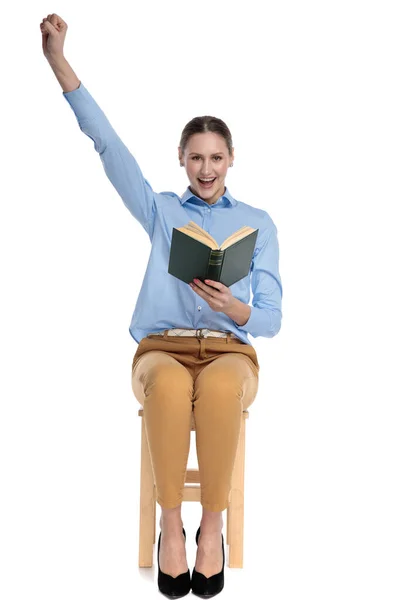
x=216 y=157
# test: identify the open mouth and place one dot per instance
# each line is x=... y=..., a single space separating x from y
x=206 y=183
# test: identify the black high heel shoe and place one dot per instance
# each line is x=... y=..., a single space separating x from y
x=175 y=587
x=206 y=587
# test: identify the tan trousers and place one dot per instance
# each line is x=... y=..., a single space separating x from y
x=216 y=378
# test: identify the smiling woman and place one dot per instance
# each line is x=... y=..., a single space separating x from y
x=206 y=152
x=194 y=357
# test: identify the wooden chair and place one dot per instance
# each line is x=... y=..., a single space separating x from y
x=191 y=493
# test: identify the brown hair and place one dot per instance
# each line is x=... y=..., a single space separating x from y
x=202 y=125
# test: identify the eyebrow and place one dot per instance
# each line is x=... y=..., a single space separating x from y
x=198 y=153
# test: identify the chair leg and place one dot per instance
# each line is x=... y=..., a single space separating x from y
x=227 y=524
x=147 y=504
x=235 y=517
x=154 y=514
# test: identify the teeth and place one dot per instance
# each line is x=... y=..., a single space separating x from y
x=212 y=179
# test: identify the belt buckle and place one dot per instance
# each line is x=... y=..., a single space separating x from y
x=201 y=335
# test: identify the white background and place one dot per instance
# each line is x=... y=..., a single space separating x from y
x=310 y=91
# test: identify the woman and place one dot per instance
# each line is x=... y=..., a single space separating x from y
x=193 y=354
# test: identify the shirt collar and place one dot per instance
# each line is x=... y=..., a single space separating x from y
x=188 y=194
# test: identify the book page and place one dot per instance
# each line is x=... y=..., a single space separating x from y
x=198 y=233
x=235 y=237
x=196 y=228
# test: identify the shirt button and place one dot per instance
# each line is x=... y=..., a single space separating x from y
x=199 y=308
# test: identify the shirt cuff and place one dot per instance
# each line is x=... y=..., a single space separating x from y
x=84 y=106
x=262 y=322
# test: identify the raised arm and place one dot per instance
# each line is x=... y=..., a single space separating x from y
x=120 y=166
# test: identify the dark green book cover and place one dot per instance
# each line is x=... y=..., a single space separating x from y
x=190 y=258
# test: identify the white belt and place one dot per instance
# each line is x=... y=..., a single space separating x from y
x=199 y=333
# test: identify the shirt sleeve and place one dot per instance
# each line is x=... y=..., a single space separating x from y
x=119 y=165
x=266 y=310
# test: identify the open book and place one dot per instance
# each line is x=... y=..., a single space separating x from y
x=195 y=253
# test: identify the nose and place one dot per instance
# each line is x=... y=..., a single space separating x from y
x=206 y=169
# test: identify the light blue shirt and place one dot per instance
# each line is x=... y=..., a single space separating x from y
x=164 y=301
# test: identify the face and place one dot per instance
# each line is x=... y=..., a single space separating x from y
x=206 y=157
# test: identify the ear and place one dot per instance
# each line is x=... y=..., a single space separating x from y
x=180 y=155
x=233 y=154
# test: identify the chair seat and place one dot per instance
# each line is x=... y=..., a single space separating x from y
x=245 y=415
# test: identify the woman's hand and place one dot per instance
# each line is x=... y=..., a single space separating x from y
x=218 y=297
x=54 y=30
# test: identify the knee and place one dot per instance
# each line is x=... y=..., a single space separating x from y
x=225 y=379
x=225 y=391
x=169 y=380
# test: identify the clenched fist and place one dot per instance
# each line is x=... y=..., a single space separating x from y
x=54 y=30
